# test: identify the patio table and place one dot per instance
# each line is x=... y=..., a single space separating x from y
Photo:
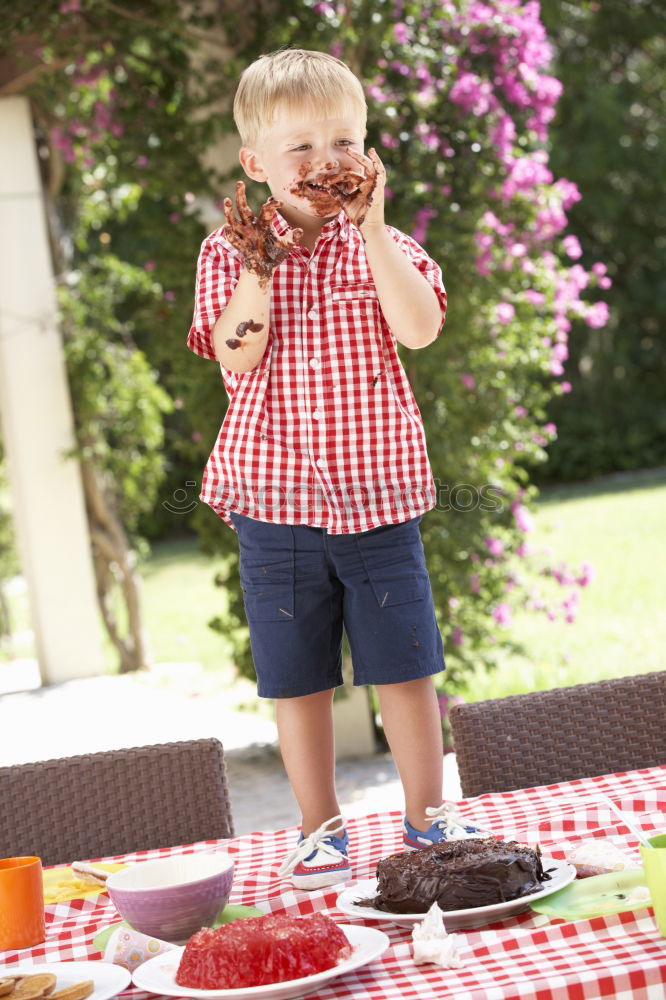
x=528 y=955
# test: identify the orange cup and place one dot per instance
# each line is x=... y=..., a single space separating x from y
x=21 y=903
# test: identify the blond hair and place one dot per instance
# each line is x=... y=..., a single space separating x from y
x=295 y=79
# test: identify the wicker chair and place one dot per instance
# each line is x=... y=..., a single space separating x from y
x=115 y=802
x=559 y=735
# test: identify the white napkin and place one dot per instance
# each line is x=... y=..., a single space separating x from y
x=432 y=944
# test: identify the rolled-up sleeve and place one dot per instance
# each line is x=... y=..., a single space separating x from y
x=430 y=270
x=218 y=270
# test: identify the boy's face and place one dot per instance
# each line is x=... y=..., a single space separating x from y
x=295 y=139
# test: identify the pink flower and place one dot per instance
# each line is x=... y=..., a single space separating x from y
x=565 y=386
x=149 y=265
x=474 y=583
x=587 y=574
x=196 y=435
x=523 y=518
x=550 y=429
x=520 y=411
x=502 y=613
x=534 y=297
x=401 y=33
x=174 y=217
x=170 y=296
x=568 y=192
x=495 y=546
x=504 y=312
x=457 y=636
x=468 y=381
x=421 y=223
x=572 y=247
x=596 y=315
x=473 y=94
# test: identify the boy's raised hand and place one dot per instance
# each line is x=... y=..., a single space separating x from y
x=262 y=249
x=365 y=207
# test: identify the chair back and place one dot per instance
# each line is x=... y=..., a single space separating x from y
x=566 y=733
x=115 y=802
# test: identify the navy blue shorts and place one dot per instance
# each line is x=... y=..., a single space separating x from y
x=302 y=586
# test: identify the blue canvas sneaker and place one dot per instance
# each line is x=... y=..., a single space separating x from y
x=320 y=859
x=446 y=824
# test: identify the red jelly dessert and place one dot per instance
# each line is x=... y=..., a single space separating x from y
x=261 y=950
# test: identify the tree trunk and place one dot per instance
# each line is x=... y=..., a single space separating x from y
x=115 y=570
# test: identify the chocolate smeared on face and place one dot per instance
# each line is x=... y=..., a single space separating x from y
x=328 y=190
x=233 y=344
x=457 y=875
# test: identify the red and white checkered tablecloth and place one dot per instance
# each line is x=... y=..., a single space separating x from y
x=524 y=956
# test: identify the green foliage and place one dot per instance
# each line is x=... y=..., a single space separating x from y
x=609 y=137
x=118 y=401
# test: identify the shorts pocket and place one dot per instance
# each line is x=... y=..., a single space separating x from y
x=394 y=563
x=268 y=588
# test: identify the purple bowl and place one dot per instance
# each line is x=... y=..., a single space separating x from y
x=172 y=898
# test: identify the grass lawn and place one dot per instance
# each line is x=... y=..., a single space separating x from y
x=617 y=525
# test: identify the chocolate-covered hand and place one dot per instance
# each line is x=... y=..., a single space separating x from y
x=262 y=249
x=365 y=207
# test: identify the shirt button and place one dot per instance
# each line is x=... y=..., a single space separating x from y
x=316 y=414
x=314 y=362
x=320 y=463
x=313 y=313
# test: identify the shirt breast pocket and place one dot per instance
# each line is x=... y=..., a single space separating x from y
x=354 y=316
x=354 y=294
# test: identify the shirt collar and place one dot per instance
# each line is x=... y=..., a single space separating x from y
x=338 y=226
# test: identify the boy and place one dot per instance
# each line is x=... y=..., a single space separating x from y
x=321 y=464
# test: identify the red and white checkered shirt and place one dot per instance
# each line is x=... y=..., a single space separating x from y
x=325 y=430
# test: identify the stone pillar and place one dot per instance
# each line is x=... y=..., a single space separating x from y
x=48 y=504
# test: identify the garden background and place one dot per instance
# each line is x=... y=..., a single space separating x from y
x=523 y=148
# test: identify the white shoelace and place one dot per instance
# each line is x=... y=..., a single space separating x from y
x=315 y=842
x=447 y=819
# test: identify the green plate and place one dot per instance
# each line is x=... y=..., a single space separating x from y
x=226 y=916
x=597 y=896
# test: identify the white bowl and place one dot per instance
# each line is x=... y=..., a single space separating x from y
x=172 y=898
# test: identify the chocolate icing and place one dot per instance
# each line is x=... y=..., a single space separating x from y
x=458 y=875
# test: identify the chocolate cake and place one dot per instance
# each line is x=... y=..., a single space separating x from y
x=457 y=875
